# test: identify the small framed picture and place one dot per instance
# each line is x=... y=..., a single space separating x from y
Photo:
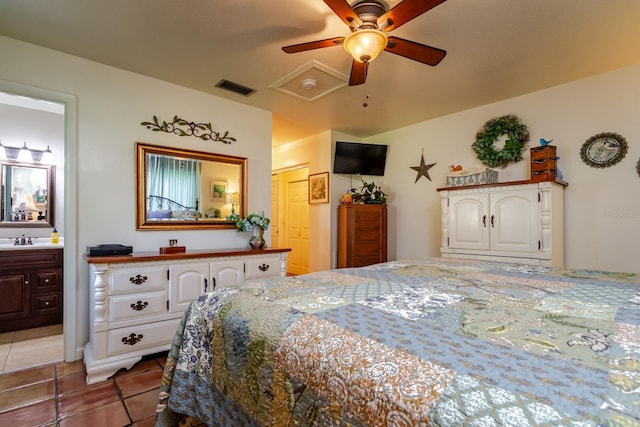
x=218 y=191
x=319 y=188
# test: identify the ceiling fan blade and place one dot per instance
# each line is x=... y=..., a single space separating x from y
x=416 y=51
x=404 y=12
x=344 y=11
x=294 y=48
x=358 y=73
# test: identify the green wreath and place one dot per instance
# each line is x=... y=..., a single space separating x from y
x=517 y=136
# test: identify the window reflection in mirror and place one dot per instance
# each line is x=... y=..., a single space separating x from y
x=27 y=195
x=187 y=189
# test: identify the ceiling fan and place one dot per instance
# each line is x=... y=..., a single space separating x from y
x=369 y=21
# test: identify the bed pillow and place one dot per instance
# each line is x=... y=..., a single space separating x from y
x=159 y=214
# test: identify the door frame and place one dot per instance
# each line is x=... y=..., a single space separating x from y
x=72 y=351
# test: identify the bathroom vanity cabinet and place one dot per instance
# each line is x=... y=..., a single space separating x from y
x=30 y=288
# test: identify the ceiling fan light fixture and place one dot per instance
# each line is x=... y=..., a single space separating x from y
x=365 y=45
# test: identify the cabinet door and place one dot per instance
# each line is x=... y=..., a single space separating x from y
x=469 y=221
x=514 y=220
x=186 y=282
x=226 y=274
x=15 y=296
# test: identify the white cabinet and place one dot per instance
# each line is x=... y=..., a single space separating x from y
x=186 y=282
x=515 y=223
x=136 y=301
x=228 y=273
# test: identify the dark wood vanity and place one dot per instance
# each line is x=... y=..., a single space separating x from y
x=30 y=288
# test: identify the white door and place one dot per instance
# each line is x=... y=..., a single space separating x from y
x=514 y=220
x=469 y=221
x=226 y=274
x=298 y=227
x=186 y=282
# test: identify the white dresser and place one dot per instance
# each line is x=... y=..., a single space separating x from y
x=136 y=301
x=512 y=222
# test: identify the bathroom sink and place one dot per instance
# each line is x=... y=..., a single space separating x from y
x=37 y=243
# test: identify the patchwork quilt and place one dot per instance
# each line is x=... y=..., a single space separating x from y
x=439 y=342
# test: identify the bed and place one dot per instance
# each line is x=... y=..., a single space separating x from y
x=441 y=342
x=164 y=209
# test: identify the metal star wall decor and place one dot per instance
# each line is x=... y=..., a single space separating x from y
x=423 y=169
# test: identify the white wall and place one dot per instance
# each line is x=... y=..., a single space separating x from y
x=602 y=206
x=111 y=103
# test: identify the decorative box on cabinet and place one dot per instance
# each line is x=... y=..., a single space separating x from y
x=136 y=301
x=30 y=288
x=543 y=163
x=362 y=234
x=512 y=222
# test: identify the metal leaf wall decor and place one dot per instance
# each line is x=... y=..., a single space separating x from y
x=182 y=127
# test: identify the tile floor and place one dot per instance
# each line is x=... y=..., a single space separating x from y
x=31 y=347
x=57 y=395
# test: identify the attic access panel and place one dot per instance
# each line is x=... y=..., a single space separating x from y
x=311 y=81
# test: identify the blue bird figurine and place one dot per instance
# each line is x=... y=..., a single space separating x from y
x=544 y=142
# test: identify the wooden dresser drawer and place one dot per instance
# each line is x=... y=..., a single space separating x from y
x=262 y=267
x=139 y=337
x=125 y=307
x=138 y=279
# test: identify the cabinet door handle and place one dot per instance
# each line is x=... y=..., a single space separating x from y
x=214 y=282
x=206 y=284
x=492 y=224
x=484 y=221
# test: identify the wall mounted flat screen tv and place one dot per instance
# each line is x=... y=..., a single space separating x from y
x=354 y=158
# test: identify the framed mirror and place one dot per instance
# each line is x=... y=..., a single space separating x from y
x=27 y=192
x=186 y=189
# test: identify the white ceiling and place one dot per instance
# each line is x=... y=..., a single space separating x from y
x=496 y=49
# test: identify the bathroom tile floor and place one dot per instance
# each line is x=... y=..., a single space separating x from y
x=31 y=347
x=57 y=395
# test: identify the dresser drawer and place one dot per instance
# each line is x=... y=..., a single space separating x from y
x=365 y=249
x=135 y=338
x=262 y=267
x=137 y=279
x=125 y=307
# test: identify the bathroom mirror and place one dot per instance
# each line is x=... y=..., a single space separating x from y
x=184 y=189
x=27 y=195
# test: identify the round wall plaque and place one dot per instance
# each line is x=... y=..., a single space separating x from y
x=603 y=150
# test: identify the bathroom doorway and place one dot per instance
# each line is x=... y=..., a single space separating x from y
x=42 y=118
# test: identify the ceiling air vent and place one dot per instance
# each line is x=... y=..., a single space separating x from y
x=235 y=87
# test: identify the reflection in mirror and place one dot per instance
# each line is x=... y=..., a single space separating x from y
x=27 y=195
x=186 y=189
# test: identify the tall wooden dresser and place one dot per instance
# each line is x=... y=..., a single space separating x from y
x=362 y=235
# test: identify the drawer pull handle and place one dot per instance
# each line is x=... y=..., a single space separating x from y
x=46 y=280
x=139 y=306
x=132 y=339
x=138 y=279
x=263 y=267
x=47 y=303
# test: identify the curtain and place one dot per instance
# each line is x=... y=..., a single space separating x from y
x=173 y=178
